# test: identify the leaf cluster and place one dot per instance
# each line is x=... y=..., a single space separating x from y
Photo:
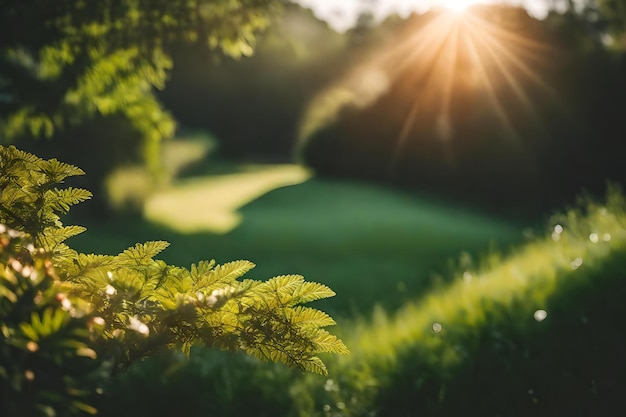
x=47 y=366
x=141 y=304
x=67 y=61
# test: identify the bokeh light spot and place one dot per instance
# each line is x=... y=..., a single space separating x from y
x=540 y=315
x=576 y=263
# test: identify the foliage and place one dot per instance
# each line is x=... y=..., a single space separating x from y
x=611 y=15
x=293 y=59
x=47 y=366
x=65 y=62
x=143 y=304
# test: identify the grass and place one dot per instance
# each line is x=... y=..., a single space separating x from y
x=211 y=204
x=508 y=300
x=438 y=321
x=392 y=245
x=534 y=332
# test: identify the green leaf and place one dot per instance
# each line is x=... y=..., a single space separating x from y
x=225 y=274
x=140 y=254
x=62 y=199
x=311 y=291
x=202 y=269
x=328 y=343
x=285 y=284
x=57 y=171
x=315 y=365
x=79 y=405
x=52 y=237
x=29 y=331
x=306 y=318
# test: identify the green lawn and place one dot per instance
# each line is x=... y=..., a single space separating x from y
x=467 y=326
x=535 y=331
x=370 y=244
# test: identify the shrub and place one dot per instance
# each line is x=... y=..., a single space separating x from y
x=116 y=309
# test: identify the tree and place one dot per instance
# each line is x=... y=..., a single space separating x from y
x=63 y=62
x=67 y=318
x=613 y=13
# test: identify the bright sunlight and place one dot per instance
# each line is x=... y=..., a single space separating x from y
x=434 y=66
x=342 y=15
x=457 y=6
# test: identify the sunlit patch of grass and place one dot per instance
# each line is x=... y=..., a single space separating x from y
x=210 y=204
x=186 y=151
x=128 y=187
x=439 y=333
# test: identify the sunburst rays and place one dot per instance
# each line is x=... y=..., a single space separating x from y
x=446 y=56
x=456 y=53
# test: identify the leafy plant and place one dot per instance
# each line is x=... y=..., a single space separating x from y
x=47 y=364
x=134 y=304
x=79 y=60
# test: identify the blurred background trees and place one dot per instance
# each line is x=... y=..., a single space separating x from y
x=86 y=72
x=110 y=82
x=525 y=127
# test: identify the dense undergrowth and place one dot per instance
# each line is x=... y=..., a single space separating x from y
x=535 y=332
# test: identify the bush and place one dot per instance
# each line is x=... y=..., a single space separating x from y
x=117 y=309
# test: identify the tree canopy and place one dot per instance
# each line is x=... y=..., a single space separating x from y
x=63 y=62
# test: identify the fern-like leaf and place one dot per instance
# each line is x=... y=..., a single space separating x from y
x=141 y=254
x=224 y=274
x=53 y=236
x=14 y=153
x=62 y=200
x=92 y=261
x=328 y=343
x=315 y=365
x=57 y=171
x=280 y=291
x=203 y=268
x=312 y=291
x=309 y=318
x=11 y=195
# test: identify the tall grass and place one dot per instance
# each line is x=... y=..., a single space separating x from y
x=398 y=361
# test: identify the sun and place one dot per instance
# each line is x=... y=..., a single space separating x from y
x=457 y=6
x=437 y=68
